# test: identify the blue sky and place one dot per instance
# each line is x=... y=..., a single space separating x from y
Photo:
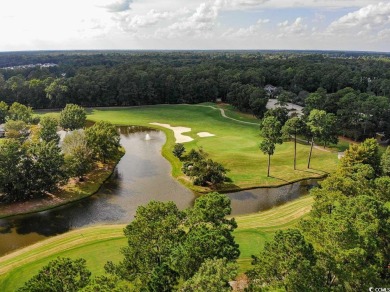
x=195 y=24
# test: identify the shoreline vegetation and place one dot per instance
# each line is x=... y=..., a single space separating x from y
x=71 y=192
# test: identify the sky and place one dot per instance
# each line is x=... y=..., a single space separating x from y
x=357 y=25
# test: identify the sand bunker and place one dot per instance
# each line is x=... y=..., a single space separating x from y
x=177 y=132
x=205 y=134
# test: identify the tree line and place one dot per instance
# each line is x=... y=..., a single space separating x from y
x=355 y=88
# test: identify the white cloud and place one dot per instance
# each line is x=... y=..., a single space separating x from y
x=245 y=32
x=365 y=20
x=200 y=23
x=119 y=6
x=133 y=23
x=295 y=28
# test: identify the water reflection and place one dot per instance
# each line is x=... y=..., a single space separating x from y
x=142 y=175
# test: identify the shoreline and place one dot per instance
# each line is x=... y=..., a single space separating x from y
x=83 y=190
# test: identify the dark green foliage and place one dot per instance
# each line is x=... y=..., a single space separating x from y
x=288 y=262
x=322 y=80
x=385 y=162
x=78 y=156
x=72 y=117
x=212 y=276
x=28 y=171
x=270 y=130
x=48 y=129
x=106 y=283
x=178 y=150
x=209 y=234
x=203 y=171
x=3 y=111
x=152 y=236
x=352 y=242
x=20 y=112
x=165 y=244
x=62 y=274
x=103 y=140
x=280 y=113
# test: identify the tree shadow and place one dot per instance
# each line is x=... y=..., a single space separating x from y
x=313 y=170
x=278 y=178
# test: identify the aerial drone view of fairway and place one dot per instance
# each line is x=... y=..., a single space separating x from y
x=235 y=144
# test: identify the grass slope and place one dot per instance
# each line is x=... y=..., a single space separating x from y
x=235 y=144
x=97 y=245
x=256 y=229
x=100 y=244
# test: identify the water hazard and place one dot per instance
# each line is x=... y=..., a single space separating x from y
x=142 y=175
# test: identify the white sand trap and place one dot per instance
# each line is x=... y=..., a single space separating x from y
x=205 y=134
x=180 y=138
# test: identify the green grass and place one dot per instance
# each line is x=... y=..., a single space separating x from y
x=254 y=230
x=100 y=244
x=235 y=144
x=97 y=245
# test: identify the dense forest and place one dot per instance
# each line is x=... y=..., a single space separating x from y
x=353 y=86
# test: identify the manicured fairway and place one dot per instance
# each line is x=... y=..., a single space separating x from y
x=235 y=144
x=255 y=229
x=100 y=244
x=97 y=245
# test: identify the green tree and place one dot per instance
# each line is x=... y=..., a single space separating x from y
x=280 y=113
x=3 y=111
x=38 y=168
x=78 y=155
x=213 y=276
x=351 y=241
x=103 y=140
x=56 y=92
x=293 y=127
x=288 y=262
x=16 y=129
x=322 y=126
x=20 y=112
x=10 y=157
x=151 y=237
x=270 y=129
x=178 y=150
x=48 y=129
x=107 y=283
x=209 y=234
x=364 y=153
x=61 y=274
x=385 y=162
x=72 y=117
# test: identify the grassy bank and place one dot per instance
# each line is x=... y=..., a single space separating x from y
x=235 y=144
x=99 y=244
x=73 y=191
x=256 y=229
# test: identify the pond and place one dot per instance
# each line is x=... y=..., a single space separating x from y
x=142 y=175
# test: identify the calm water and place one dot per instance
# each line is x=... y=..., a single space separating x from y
x=142 y=175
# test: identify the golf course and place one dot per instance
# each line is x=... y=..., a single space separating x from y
x=228 y=137
x=235 y=144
